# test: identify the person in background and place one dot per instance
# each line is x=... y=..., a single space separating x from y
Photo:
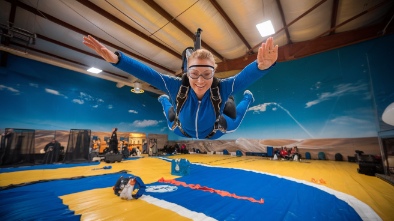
x=52 y=150
x=294 y=153
x=98 y=144
x=284 y=153
x=113 y=141
x=145 y=147
x=6 y=146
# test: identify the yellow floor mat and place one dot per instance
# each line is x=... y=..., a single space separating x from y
x=102 y=204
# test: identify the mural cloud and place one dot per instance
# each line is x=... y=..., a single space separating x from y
x=54 y=92
x=339 y=90
x=144 y=123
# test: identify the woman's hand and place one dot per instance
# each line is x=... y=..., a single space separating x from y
x=100 y=49
x=267 y=54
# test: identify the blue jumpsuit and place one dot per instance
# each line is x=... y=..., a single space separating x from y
x=197 y=117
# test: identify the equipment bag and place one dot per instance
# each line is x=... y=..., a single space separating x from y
x=180 y=167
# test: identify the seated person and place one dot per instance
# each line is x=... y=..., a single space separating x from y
x=125 y=150
x=294 y=152
x=135 y=151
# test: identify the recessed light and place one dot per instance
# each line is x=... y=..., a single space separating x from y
x=137 y=88
x=265 y=28
x=94 y=70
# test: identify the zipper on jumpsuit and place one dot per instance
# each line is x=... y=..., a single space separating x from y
x=196 y=120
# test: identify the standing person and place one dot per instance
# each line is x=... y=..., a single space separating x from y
x=94 y=152
x=200 y=113
x=145 y=147
x=113 y=142
x=6 y=146
x=52 y=150
x=98 y=144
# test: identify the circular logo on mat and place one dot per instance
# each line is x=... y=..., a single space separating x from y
x=160 y=189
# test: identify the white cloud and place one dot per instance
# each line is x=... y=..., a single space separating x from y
x=33 y=85
x=86 y=96
x=110 y=106
x=144 y=123
x=54 y=92
x=259 y=108
x=340 y=90
x=346 y=120
x=94 y=102
x=50 y=91
x=3 y=87
x=316 y=86
x=133 y=112
x=78 y=101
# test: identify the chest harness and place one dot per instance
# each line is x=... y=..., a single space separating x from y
x=216 y=100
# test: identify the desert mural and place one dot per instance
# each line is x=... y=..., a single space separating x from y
x=331 y=102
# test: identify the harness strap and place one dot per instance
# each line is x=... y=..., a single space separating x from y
x=220 y=123
x=180 y=101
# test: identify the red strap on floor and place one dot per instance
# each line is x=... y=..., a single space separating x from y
x=211 y=190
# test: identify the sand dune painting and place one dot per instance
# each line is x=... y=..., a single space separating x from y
x=344 y=146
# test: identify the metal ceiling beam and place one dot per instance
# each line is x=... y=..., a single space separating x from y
x=299 y=51
x=53 y=41
x=67 y=46
x=180 y=26
x=355 y=17
x=229 y=22
x=66 y=59
x=73 y=66
x=282 y=15
x=82 y=32
x=123 y=24
x=311 y=47
x=6 y=40
x=334 y=14
x=388 y=19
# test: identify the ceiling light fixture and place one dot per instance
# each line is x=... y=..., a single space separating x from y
x=265 y=28
x=137 y=88
x=94 y=70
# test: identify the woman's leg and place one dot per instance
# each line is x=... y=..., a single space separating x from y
x=233 y=124
x=242 y=108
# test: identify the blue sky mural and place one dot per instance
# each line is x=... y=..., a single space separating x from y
x=316 y=97
x=40 y=96
x=328 y=95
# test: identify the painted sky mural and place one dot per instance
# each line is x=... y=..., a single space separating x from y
x=41 y=96
x=328 y=95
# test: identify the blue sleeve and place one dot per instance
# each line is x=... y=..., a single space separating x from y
x=165 y=83
x=243 y=79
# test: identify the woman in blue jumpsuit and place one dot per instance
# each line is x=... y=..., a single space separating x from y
x=197 y=116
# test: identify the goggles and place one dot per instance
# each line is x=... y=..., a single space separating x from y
x=195 y=74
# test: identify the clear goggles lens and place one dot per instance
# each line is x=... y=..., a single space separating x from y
x=206 y=74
